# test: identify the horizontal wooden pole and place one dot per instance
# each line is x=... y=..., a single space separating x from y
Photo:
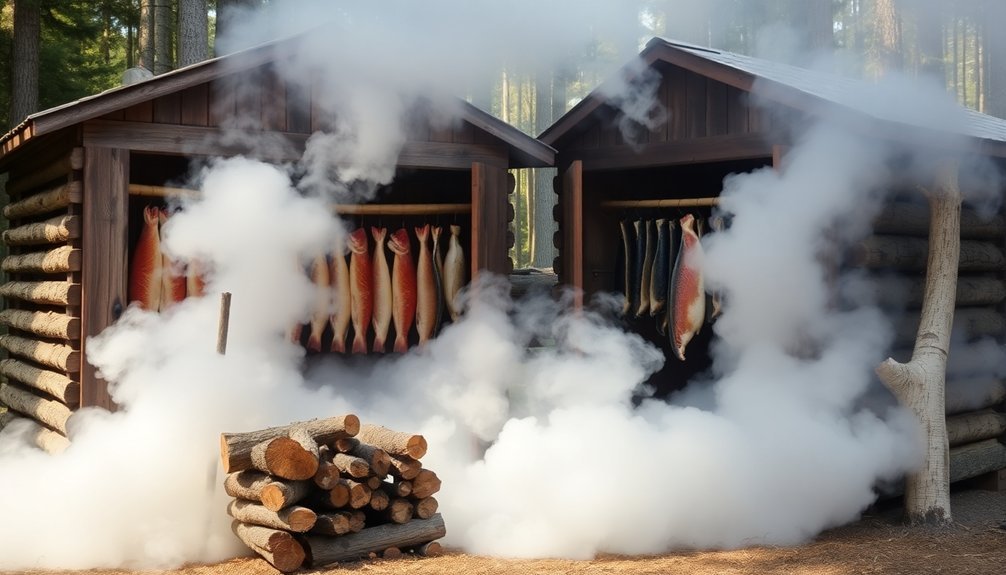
x=910 y=254
x=58 y=356
x=160 y=191
x=400 y=209
x=63 y=259
x=691 y=151
x=47 y=293
x=905 y=218
x=52 y=231
x=44 y=202
x=43 y=323
x=49 y=412
x=60 y=168
x=975 y=426
x=971 y=323
x=44 y=438
x=972 y=394
x=58 y=385
x=972 y=290
x=974 y=459
x=660 y=203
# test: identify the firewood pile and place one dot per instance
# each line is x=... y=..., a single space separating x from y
x=318 y=492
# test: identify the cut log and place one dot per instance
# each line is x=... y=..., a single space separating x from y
x=47 y=440
x=971 y=291
x=425 y=484
x=379 y=500
x=973 y=394
x=48 y=412
x=374 y=482
x=294 y=518
x=377 y=459
x=52 y=383
x=974 y=459
x=345 y=444
x=274 y=494
x=391 y=553
x=46 y=293
x=277 y=547
x=912 y=219
x=58 y=356
x=332 y=523
x=425 y=508
x=975 y=426
x=60 y=260
x=350 y=465
x=399 y=510
x=909 y=254
x=969 y=324
x=431 y=549
x=42 y=323
x=56 y=230
x=44 y=202
x=404 y=467
x=287 y=457
x=235 y=448
x=328 y=550
x=401 y=488
x=359 y=494
x=393 y=442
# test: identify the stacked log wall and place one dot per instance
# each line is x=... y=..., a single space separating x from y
x=41 y=295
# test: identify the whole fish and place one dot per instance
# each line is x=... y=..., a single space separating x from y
x=382 y=291
x=628 y=240
x=172 y=274
x=717 y=224
x=361 y=276
x=454 y=273
x=342 y=298
x=673 y=246
x=403 y=288
x=145 y=267
x=321 y=278
x=438 y=278
x=641 y=296
x=689 y=299
x=659 y=269
x=426 y=288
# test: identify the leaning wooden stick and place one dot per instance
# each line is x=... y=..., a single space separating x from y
x=223 y=325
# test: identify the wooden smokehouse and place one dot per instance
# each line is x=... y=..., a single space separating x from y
x=80 y=176
x=714 y=128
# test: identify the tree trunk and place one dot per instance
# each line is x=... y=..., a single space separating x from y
x=542 y=252
x=193 y=32
x=920 y=384
x=328 y=550
x=145 y=34
x=929 y=18
x=24 y=60
x=995 y=50
x=393 y=442
x=887 y=39
x=163 y=27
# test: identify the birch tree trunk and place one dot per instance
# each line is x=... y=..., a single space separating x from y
x=193 y=32
x=24 y=64
x=920 y=383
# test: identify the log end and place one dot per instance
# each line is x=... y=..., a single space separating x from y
x=274 y=497
x=351 y=424
x=301 y=519
x=287 y=458
x=288 y=555
x=417 y=446
x=225 y=453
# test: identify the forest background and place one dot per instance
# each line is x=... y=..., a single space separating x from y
x=57 y=51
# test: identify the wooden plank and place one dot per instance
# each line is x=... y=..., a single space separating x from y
x=274 y=104
x=221 y=102
x=167 y=110
x=695 y=106
x=572 y=230
x=717 y=122
x=701 y=150
x=737 y=111
x=298 y=108
x=195 y=106
x=489 y=225
x=104 y=268
x=141 y=112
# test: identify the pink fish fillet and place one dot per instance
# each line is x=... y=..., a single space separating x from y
x=381 y=319
x=426 y=287
x=403 y=288
x=688 y=289
x=361 y=278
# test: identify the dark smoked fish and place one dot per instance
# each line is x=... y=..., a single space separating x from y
x=673 y=245
x=650 y=235
x=659 y=269
x=642 y=299
x=628 y=257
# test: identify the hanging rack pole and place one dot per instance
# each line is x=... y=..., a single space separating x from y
x=400 y=209
x=663 y=203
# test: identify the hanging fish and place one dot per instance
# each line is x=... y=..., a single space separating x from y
x=642 y=298
x=454 y=272
x=145 y=268
x=321 y=279
x=381 y=319
x=361 y=277
x=403 y=288
x=659 y=274
x=426 y=288
x=438 y=278
x=195 y=279
x=689 y=296
x=628 y=240
x=342 y=298
x=172 y=275
x=717 y=224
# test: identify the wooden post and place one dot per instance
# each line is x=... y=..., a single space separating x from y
x=224 y=322
x=489 y=219
x=104 y=258
x=572 y=229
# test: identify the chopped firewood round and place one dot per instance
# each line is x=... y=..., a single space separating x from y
x=425 y=484
x=426 y=508
x=393 y=442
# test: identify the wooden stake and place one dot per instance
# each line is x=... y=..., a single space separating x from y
x=224 y=322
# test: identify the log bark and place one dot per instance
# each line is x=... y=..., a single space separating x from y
x=44 y=438
x=401 y=488
x=971 y=291
x=404 y=467
x=425 y=508
x=286 y=457
x=359 y=493
x=376 y=458
x=391 y=553
x=42 y=323
x=920 y=383
x=976 y=459
x=969 y=324
x=47 y=293
x=328 y=550
x=976 y=426
x=48 y=412
x=252 y=484
x=55 y=230
x=57 y=198
x=235 y=448
x=294 y=518
x=425 y=484
x=40 y=175
x=431 y=549
x=63 y=259
x=277 y=547
x=974 y=394
x=910 y=219
x=393 y=442
x=350 y=465
x=55 y=384
x=58 y=356
x=334 y=523
x=909 y=254
x=399 y=510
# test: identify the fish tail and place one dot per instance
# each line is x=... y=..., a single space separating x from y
x=314 y=342
x=401 y=344
x=338 y=345
x=359 y=343
x=380 y=346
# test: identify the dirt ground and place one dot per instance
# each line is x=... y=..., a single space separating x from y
x=975 y=544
